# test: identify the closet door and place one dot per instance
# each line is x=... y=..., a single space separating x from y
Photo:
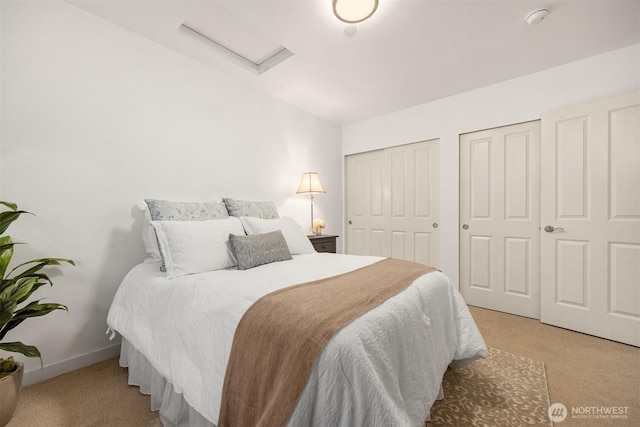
x=591 y=218
x=413 y=196
x=499 y=218
x=365 y=206
x=393 y=203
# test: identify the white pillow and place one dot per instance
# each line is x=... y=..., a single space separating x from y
x=294 y=236
x=148 y=234
x=196 y=246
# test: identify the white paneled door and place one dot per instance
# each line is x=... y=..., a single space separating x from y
x=393 y=203
x=591 y=218
x=499 y=218
x=365 y=212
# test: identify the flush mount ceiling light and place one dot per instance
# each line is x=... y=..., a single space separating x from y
x=354 y=11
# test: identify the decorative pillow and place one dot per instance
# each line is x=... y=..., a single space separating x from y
x=266 y=210
x=296 y=239
x=149 y=234
x=196 y=246
x=165 y=210
x=259 y=249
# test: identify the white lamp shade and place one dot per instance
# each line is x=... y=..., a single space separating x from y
x=353 y=11
x=310 y=184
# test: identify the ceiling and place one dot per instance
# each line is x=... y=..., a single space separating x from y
x=410 y=52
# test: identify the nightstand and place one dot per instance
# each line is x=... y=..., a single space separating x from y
x=324 y=243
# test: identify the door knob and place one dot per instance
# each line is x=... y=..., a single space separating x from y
x=350 y=222
x=465 y=227
x=551 y=228
x=435 y=225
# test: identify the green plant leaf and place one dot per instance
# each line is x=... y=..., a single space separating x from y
x=18 y=347
x=42 y=278
x=34 y=288
x=6 y=312
x=34 y=309
x=24 y=288
x=7 y=217
x=12 y=206
x=7 y=291
x=42 y=262
x=6 y=253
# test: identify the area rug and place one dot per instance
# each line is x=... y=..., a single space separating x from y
x=501 y=390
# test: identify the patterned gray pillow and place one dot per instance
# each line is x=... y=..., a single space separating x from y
x=258 y=249
x=266 y=210
x=165 y=210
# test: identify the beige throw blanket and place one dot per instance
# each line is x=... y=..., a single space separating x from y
x=280 y=337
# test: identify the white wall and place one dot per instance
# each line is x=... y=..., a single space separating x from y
x=514 y=101
x=95 y=119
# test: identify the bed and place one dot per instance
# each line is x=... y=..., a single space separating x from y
x=383 y=368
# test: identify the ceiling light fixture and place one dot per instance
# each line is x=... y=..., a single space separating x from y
x=354 y=11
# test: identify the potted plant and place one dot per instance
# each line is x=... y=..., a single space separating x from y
x=16 y=287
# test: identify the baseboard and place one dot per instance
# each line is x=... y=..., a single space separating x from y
x=69 y=365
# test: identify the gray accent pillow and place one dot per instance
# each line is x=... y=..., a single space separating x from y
x=165 y=210
x=258 y=249
x=266 y=210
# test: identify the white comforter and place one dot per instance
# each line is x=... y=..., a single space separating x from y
x=384 y=368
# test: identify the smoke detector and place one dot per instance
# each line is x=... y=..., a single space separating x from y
x=536 y=16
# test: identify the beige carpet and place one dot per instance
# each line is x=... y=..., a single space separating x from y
x=154 y=423
x=501 y=390
x=583 y=372
x=95 y=396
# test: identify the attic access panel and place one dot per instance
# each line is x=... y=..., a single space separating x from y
x=235 y=39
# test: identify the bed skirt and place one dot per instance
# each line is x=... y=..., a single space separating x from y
x=174 y=410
